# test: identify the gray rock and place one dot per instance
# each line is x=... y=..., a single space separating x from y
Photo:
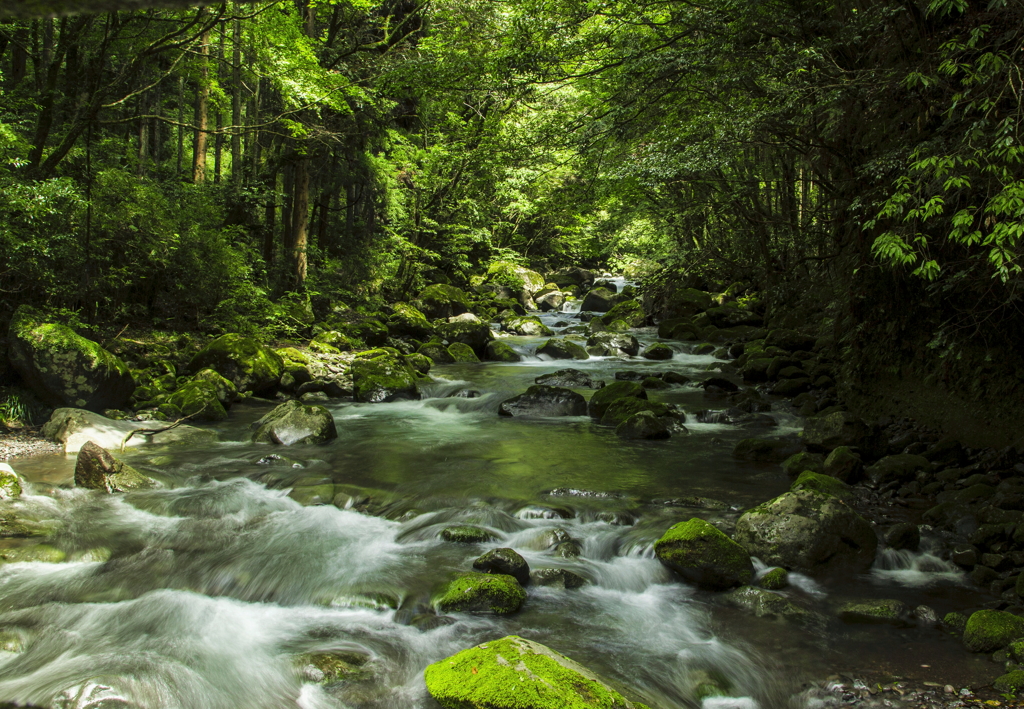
x=504 y=561
x=73 y=428
x=542 y=400
x=294 y=423
x=557 y=578
x=96 y=469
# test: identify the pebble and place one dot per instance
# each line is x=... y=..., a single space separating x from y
x=25 y=443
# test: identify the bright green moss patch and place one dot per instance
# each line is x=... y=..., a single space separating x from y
x=466 y=534
x=473 y=592
x=703 y=554
x=809 y=480
x=603 y=398
x=988 y=631
x=777 y=578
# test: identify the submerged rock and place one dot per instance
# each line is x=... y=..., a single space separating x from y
x=294 y=423
x=504 y=561
x=249 y=365
x=876 y=611
x=329 y=667
x=516 y=673
x=557 y=578
x=443 y=301
x=96 y=469
x=765 y=604
x=33 y=553
x=64 y=368
x=467 y=534
x=776 y=579
x=542 y=400
x=703 y=554
x=473 y=592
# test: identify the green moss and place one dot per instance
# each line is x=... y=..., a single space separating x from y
x=809 y=480
x=461 y=352
x=880 y=610
x=1011 y=682
x=335 y=666
x=604 y=397
x=497 y=593
x=988 y=630
x=776 y=579
x=383 y=376
x=10 y=483
x=630 y=311
x=249 y=365
x=420 y=363
x=955 y=620
x=659 y=351
x=199 y=399
x=799 y=462
x=514 y=673
x=37 y=552
x=527 y=326
x=498 y=351
x=436 y=352
x=560 y=348
x=702 y=553
x=621 y=409
x=466 y=534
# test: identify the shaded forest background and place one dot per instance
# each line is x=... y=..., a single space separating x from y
x=856 y=164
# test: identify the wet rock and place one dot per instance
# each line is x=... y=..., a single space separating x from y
x=249 y=365
x=43 y=553
x=542 y=400
x=527 y=326
x=719 y=385
x=381 y=375
x=799 y=462
x=462 y=352
x=612 y=344
x=11 y=484
x=599 y=300
x=498 y=351
x=791 y=387
x=473 y=592
x=876 y=611
x=926 y=615
x=643 y=425
x=603 y=398
x=809 y=532
x=956 y=621
x=548 y=538
x=621 y=409
x=557 y=578
x=559 y=348
x=990 y=630
x=442 y=301
x=199 y=400
x=675 y=378
x=96 y=469
x=467 y=534
x=504 y=561
x=630 y=312
x=569 y=549
x=659 y=351
x=843 y=464
x=1011 y=683
x=704 y=555
x=407 y=321
x=775 y=580
x=475 y=334
x=896 y=468
x=330 y=667
x=224 y=389
x=765 y=450
x=295 y=423
x=826 y=432
x=816 y=482
x=569 y=378
x=765 y=604
x=436 y=351
x=550 y=301
x=63 y=368
x=905 y=535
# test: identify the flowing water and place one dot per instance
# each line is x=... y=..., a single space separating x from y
x=204 y=592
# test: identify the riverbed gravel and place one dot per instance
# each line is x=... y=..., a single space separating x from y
x=24 y=443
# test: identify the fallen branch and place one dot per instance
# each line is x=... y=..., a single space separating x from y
x=154 y=431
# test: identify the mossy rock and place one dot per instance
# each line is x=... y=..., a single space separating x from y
x=10 y=483
x=630 y=312
x=1010 y=683
x=473 y=592
x=293 y=355
x=249 y=365
x=989 y=630
x=843 y=464
x=621 y=409
x=775 y=580
x=225 y=388
x=199 y=400
x=461 y=352
x=475 y=334
x=436 y=351
x=557 y=578
x=764 y=450
x=897 y=468
x=407 y=321
x=703 y=554
x=516 y=277
x=886 y=611
x=96 y=469
x=443 y=301
x=765 y=604
x=686 y=302
x=543 y=400
x=604 y=397
x=658 y=351
x=420 y=363
x=600 y=300
x=515 y=673
x=63 y=368
x=527 y=326
x=467 y=534
x=504 y=561
x=384 y=376
x=294 y=423
x=826 y=432
x=34 y=553
x=334 y=342
x=809 y=480
x=498 y=351
x=799 y=462
x=561 y=348
x=955 y=620
x=331 y=667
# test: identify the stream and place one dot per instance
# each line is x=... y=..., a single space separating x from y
x=202 y=593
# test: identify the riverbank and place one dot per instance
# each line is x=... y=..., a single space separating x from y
x=26 y=443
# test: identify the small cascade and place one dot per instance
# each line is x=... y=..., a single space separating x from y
x=914 y=568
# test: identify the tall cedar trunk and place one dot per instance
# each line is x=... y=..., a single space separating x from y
x=202 y=112
x=236 y=103
x=300 y=223
x=48 y=70
x=143 y=137
x=269 y=218
x=288 y=190
x=181 y=125
x=19 y=56
x=218 y=148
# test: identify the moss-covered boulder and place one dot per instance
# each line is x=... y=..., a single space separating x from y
x=462 y=352
x=527 y=326
x=557 y=578
x=799 y=462
x=443 y=301
x=382 y=375
x=476 y=334
x=561 y=348
x=876 y=611
x=621 y=409
x=600 y=300
x=515 y=673
x=63 y=368
x=199 y=400
x=809 y=480
x=790 y=340
x=421 y=364
x=843 y=464
x=765 y=450
x=902 y=467
x=498 y=351
x=822 y=434
x=330 y=667
x=604 y=397
x=504 y=561
x=543 y=400
x=765 y=604
x=335 y=342
x=808 y=531
x=612 y=344
x=1010 y=683
x=480 y=593
x=467 y=534
x=643 y=425
x=703 y=554
x=775 y=579
x=989 y=630
x=294 y=423
x=516 y=277
x=407 y=321
x=225 y=389
x=10 y=483
x=685 y=302
x=436 y=351
x=96 y=469
x=629 y=311
x=658 y=351
x=249 y=365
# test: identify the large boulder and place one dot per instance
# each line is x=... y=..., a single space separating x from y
x=685 y=302
x=382 y=375
x=443 y=301
x=612 y=344
x=573 y=276
x=703 y=554
x=629 y=311
x=498 y=351
x=621 y=409
x=527 y=326
x=475 y=334
x=249 y=365
x=604 y=397
x=504 y=561
x=599 y=300
x=516 y=673
x=225 y=389
x=63 y=368
x=550 y=301
x=902 y=467
x=562 y=348
x=518 y=278
x=822 y=434
x=569 y=378
x=643 y=425
x=729 y=316
x=543 y=400
x=990 y=630
x=73 y=428
x=475 y=592
x=407 y=321
x=199 y=401
x=294 y=423
x=96 y=469
x=808 y=531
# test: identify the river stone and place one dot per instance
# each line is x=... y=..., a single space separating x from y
x=630 y=312
x=407 y=321
x=799 y=462
x=198 y=400
x=504 y=561
x=249 y=365
x=896 y=468
x=74 y=427
x=561 y=348
x=989 y=630
x=809 y=480
x=808 y=531
x=475 y=334
x=294 y=423
x=569 y=549
x=96 y=469
x=905 y=535
x=876 y=611
x=776 y=579
x=569 y=378
x=703 y=554
x=381 y=375
x=11 y=484
x=436 y=351
x=224 y=388
x=498 y=351
x=686 y=302
x=550 y=301
x=473 y=592
x=462 y=352
x=63 y=368
x=328 y=667
x=43 y=553
x=599 y=300
x=467 y=534
x=842 y=463
x=612 y=344
x=542 y=400
x=765 y=604
x=603 y=398
x=621 y=409
x=643 y=425
x=659 y=351
x=443 y=301
x=516 y=673
x=556 y=578
x=765 y=450
x=823 y=434
x=572 y=276
x=527 y=326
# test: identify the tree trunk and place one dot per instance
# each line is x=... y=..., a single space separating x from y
x=236 y=104
x=300 y=223
x=202 y=112
x=19 y=56
x=143 y=138
x=181 y=125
